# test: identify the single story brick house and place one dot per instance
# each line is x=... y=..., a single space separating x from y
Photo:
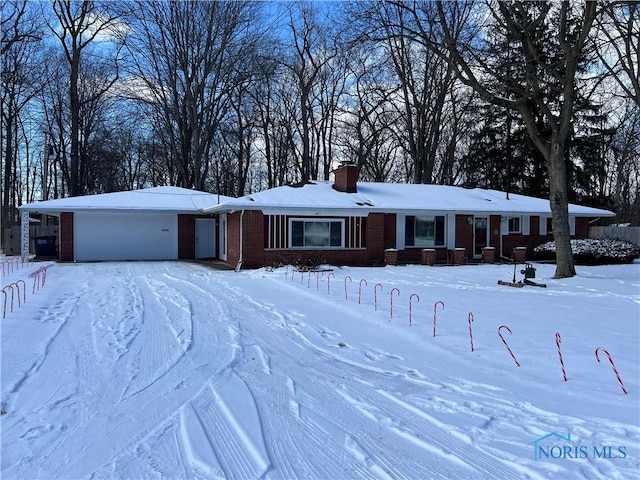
x=344 y=222
x=160 y=223
x=352 y=223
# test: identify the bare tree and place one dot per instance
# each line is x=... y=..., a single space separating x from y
x=549 y=40
x=187 y=57
x=311 y=52
x=619 y=45
x=21 y=80
x=79 y=24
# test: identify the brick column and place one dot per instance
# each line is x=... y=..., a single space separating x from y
x=391 y=256
x=458 y=255
x=65 y=242
x=488 y=254
x=520 y=254
x=428 y=256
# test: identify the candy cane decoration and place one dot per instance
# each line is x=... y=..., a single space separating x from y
x=329 y=276
x=435 y=309
x=5 y=302
x=558 y=340
x=360 y=289
x=286 y=272
x=4 y=309
x=410 y=314
x=615 y=370
x=24 y=291
x=391 y=294
x=302 y=277
x=505 y=343
x=346 y=294
x=375 y=296
x=309 y=280
x=470 y=318
x=317 y=281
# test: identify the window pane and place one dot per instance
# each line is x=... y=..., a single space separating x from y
x=425 y=232
x=409 y=229
x=514 y=224
x=297 y=234
x=336 y=234
x=439 y=230
x=316 y=234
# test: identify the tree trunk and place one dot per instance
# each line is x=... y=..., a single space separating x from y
x=558 y=198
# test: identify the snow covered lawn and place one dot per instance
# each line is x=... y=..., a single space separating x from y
x=174 y=370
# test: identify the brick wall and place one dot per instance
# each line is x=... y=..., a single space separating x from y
x=65 y=242
x=253 y=239
x=186 y=236
x=376 y=243
x=390 y=230
x=464 y=233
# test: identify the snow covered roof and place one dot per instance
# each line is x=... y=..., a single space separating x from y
x=322 y=198
x=165 y=199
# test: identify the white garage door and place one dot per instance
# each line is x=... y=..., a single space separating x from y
x=139 y=236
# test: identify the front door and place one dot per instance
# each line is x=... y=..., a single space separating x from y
x=205 y=238
x=480 y=235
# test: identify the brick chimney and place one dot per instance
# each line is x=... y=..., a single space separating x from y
x=346 y=176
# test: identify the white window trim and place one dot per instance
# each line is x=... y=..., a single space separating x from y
x=514 y=232
x=423 y=216
x=317 y=220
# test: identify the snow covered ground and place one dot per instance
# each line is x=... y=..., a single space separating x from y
x=174 y=370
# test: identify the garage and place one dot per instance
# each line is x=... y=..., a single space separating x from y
x=157 y=223
x=125 y=236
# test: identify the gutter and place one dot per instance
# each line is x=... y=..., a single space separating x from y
x=239 y=264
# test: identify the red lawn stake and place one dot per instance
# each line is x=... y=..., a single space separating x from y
x=470 y=318
x=329 y=282
x=36 y=279
x=346 y=294
x=505 y=343
x=375 y=296
x=5 y=292
x=393 y=290
x=410 y=315
x=613 y=365
x=24 y=291
x=435 y=308
x=558 y=340
x=360 y=289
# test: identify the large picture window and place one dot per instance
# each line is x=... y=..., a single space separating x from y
x=424 y=231
x=311 y=233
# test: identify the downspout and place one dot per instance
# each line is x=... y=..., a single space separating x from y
x=239 y=265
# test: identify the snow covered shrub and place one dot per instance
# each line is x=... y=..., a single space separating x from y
x=593 y=251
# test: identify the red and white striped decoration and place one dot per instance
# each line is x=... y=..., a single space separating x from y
x=558 y=340
x=613 y=365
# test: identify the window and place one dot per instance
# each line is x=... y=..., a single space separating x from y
x=514 y=225
x=424 y=231
x=316 y=233
x=549 y=225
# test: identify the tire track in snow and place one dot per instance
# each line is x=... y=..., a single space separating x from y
x=433 y=437
x=298 y=406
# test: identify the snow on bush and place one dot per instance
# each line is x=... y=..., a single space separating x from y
x=593 y=251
